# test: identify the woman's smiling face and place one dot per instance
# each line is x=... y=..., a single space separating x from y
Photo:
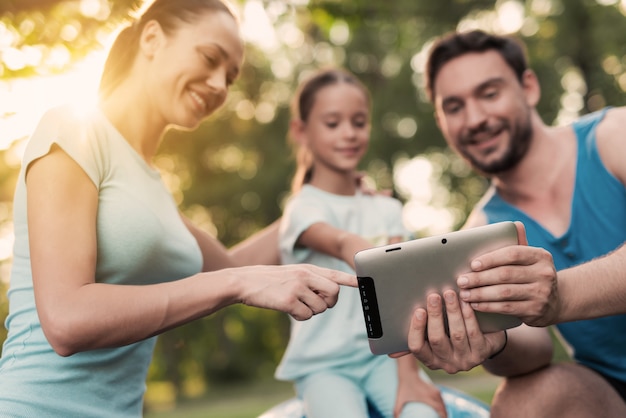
x=192 y=67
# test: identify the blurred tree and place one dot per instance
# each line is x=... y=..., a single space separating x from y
x=232 y=175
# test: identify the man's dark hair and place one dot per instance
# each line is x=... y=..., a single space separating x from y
x=455 y=44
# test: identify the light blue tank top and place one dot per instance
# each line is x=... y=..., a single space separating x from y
x=598 y=226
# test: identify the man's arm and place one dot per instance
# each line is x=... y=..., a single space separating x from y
x=594 y=289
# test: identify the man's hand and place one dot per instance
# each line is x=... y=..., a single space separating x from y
x=517 y=280
x=465 y=348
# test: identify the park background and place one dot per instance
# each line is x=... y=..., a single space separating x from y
x=232 y=175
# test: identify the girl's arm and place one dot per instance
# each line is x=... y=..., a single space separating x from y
x=259 y=249
x=324 y=238
x=78 y=314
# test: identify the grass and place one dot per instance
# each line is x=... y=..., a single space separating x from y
x=249 y=400
x=252 y=399
x=245 y=400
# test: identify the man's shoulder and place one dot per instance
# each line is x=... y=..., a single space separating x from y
x=478 y=215
x=613 y=122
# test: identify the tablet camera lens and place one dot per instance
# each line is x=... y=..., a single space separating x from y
x=443 y=240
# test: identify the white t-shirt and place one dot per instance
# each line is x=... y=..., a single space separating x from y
x=141 y=239
x=338 y=336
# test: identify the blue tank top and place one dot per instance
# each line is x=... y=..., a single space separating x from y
x=598 y=226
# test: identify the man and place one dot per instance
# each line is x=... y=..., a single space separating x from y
x=567 y=185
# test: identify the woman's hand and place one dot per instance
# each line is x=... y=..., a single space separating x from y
x=301 y=290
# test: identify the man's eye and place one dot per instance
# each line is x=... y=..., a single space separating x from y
x=490 y=94
x=452 y=109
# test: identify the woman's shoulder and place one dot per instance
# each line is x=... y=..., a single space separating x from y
x=71 y=128
x=65 y=120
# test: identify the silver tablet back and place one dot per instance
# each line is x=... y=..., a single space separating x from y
x=395 y=279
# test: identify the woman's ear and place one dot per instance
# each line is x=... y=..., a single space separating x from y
x=151 y=38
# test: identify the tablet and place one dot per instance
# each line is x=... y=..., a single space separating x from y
x=395 y=279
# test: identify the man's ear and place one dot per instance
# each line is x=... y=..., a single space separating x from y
x=437 y=119
x=151 y=38
x=530 y=85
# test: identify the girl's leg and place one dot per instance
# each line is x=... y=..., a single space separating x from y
x=418 y=410
x=381 y=386
x=332 y=395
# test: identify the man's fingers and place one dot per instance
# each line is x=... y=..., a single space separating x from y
x=521 y=233
x=437 y=337
x=417 y=336
x=456 y=322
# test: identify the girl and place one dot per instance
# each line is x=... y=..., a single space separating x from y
x=103 y=260
x=326 y=221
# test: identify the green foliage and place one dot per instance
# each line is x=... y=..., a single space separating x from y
x=232 y=175
x=50 y=35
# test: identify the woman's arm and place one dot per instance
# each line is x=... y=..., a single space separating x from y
x=79 y=314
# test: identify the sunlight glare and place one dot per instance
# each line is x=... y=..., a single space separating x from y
x=510 y=16
x=339 y=33
x=6 y=241
x=256 y=26
x=24 y=100
x=412 y=178
x=414 y=181
x=425 y=220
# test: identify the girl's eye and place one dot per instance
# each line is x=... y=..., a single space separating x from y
x=332 y=125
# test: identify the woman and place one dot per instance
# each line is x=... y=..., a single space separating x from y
x=103 y=260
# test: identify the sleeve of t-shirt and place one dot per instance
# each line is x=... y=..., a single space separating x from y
x=301 y=211
x=74 y=134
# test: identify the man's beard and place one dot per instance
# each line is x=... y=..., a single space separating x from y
x=518 y=147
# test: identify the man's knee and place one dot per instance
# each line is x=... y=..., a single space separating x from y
x=565 y=389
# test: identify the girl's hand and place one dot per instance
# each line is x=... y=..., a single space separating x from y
x=416 y=389
x=368 y=187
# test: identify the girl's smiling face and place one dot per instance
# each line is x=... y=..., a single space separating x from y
x=338 y=127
